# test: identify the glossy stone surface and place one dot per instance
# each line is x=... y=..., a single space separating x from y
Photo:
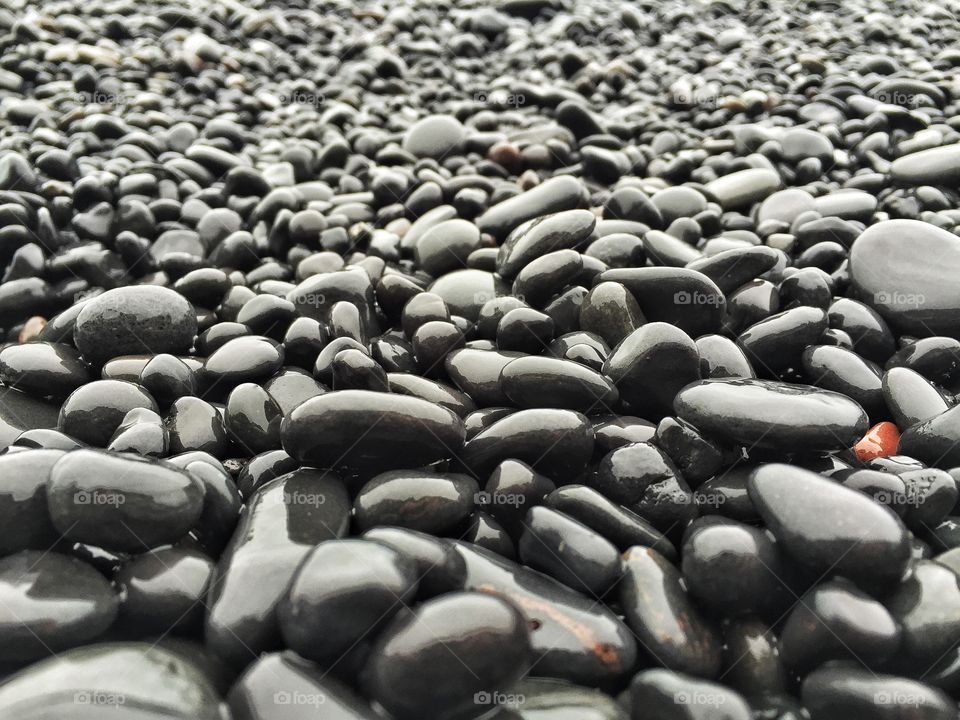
x=572 y=636
x=23 y=500
x=822 y=525
x=50 y=602
x=134 y=320
x=887 y=272
x=670 y=627
x=94 y=411
x=43 y=369
x=121 y=502
x=772 y=414
x=409 y=671
x=572 y=386
x=430 y=502
x=343 y=591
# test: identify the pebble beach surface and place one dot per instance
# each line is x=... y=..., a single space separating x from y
x=466 y=360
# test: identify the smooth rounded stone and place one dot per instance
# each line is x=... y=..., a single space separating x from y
x=46 y=439
x=446 y=246
x=775 y=343
x=292 y=386
x=284 y=685
x=572 y=386
x=23 y=502
x=752 y=303
x=785 y=205
x=431 y=502
x=221 y=502
x=435 y=136
x=122 y=679
x=563 y=192
x=828 y=527
x=851 y=693
x=642 y=478
x=926 y=605
x=50 y=602
x=936 y=358
x=432 y=342
x=280 y=523
x=20 y=413
x=525 y=330
x=679 y=696
x=845 y=372
x=696 y=457
x=678 y=202
x=195 y=424
x=720 y=358
x=556 y=443
x=731 y=568
x=751 y=659
x=650 y=367
x=573 y=637
x=163 y=590
x=142 y=433
x=432 y=391
x=743 y=188
x=569 y=551
x=931 y=494
x=890 y=270
x=619 y=525
x=679 y=296
x=611 y=312
x=252 y=419
x=466 y=291
x=662 y=248
x=539 y=698
x=910 y=397
x=167 y=379
x=933 y=166
x=438 y=567
x=934 y=441
x=770 y=414
x=546 y=234
x=135 y=319
x=837 y=621
x=343 y=591
x=121 y=502
x=243 y=359
x=511 y=490
x=485 y=531
x=731 y=269
x=22 y=298
x=410 y=674
x=667 y=622
x=43 y=369
x=370 y=430
x=872 y=338
x=544 y=277
x=613 y=431
x=93 y=412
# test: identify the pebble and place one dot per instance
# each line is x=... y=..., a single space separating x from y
x=131 y=320
x=824 y=525
x=434 y=503
x=121 y=502
x=371 y=430
x=772 y=414
x=410 y=672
